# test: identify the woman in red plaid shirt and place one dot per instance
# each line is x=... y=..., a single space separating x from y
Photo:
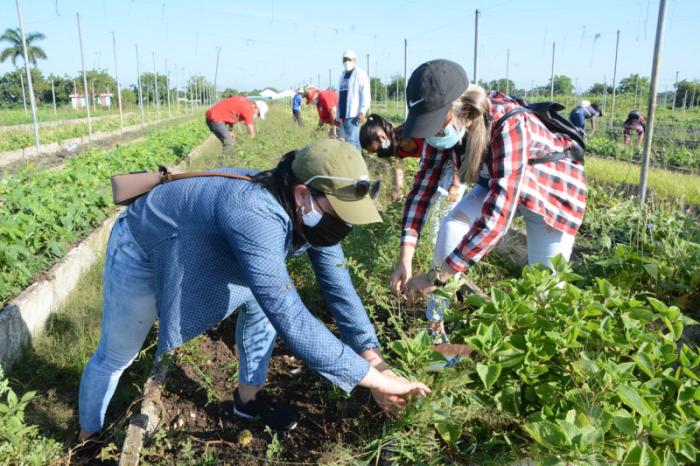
x=551 y=196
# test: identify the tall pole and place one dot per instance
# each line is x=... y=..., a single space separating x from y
x=119 y=88
x=85 y=88
x=612 y=109
x=155 y=80
x=53 y=96
x=368 y=74
x=167 y=87
x=177 y=92
x=216 y=72
x=551 y=76
x=405 y=76
x=605 y=92
x=35 y=123
x=651 y=112
x=507 y=69
x=92 y=90
x=685 y=100
x=318 y=80
x=675 y=93
x=24 y=96
x=476 y=45
x=138 y=77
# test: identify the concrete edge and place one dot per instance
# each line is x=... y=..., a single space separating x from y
x=25 y=316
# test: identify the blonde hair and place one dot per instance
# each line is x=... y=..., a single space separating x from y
x=468 y=110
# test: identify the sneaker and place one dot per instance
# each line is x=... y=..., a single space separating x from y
x=436 y=331
x=278 y=416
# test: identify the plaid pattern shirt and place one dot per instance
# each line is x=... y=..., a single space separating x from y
x=555 y=190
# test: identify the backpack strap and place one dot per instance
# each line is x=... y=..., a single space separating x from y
x=553 y=157
x=167 y=177
x=503 y=119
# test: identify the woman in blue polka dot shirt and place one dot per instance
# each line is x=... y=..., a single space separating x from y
x=193 y=251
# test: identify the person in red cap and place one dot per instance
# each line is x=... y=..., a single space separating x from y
x=224 y=114
x=519 y=167
x=326 y=106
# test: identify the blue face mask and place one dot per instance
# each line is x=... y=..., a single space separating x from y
x=450 y=139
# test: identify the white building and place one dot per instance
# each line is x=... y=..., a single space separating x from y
x=77 y=101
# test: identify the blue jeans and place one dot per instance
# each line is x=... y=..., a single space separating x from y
x=351 y=129
x=128 y=315
x=578 y=118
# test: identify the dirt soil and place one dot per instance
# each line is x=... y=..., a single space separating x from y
x=326 y=415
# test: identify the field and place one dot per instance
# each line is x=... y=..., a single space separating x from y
x=68 y=128
x=601 y=370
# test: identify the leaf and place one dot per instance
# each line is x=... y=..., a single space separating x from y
x=488 y=373
x=670 y=312
x=644 y=363
x=652 y=270
x=546 y=433
x=669 y=458
x=625 y=424
x=632 y=399
x=648 y=456
x=450 y=431
x=633 y=456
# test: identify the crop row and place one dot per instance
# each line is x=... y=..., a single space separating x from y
x=18 y=139
x=43 y=213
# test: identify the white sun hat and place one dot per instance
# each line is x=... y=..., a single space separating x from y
x=262 y=108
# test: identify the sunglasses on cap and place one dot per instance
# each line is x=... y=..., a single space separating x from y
x=355 y=190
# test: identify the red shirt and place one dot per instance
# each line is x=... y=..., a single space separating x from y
x=326 y=101
x=232 y=110
x=556 y=190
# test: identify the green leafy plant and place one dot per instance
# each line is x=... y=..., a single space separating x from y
x=42 y=213
x=21 y=443
x=592 y=376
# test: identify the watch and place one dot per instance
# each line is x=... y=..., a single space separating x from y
x=434 y=278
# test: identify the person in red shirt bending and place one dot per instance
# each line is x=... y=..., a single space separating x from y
x=224 y=114
x=326 y=106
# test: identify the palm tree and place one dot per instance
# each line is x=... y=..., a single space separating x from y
x=15 y=49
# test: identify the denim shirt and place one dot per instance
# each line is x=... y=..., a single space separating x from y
x=296 y=101
x=212 y=241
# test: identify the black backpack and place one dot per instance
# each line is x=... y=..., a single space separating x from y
x=548 y=113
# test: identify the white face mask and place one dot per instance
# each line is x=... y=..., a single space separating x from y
x=385 y=143
x=349 y=65
x=312 y=217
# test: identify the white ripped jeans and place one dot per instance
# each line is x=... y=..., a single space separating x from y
x=439 y=207
x=543 y=241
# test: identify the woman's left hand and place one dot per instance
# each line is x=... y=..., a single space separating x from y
x=418 y=286
x=453 y=193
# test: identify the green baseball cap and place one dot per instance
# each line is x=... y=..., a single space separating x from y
x=336 y=169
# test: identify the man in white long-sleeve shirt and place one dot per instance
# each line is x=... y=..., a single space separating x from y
x=353 y=98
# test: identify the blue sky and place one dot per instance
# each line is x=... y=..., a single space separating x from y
x=286 y=43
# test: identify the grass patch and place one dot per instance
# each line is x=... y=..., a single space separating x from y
x=663 y=182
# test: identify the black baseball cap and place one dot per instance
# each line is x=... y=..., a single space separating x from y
x=431 y=89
